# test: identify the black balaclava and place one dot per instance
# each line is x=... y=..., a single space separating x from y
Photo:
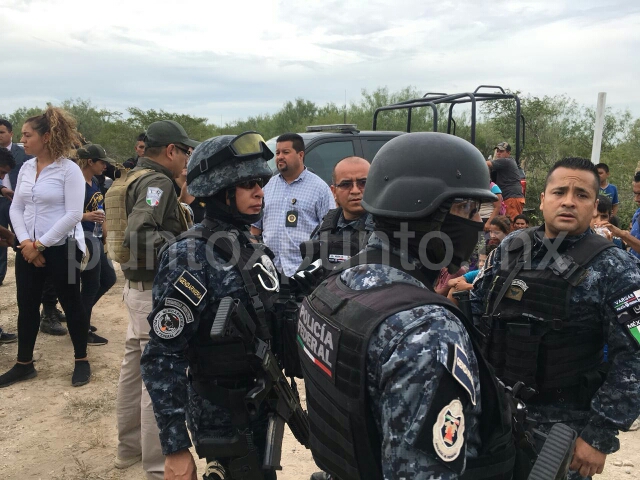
x=217 y=208
x=463 y=233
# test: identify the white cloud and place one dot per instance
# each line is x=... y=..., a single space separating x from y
x=244 y=58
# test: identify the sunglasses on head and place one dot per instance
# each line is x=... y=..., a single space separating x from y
x=250 y=184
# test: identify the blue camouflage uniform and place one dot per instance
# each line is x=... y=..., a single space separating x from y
x=164 y=362
x=610 y=275
x=406 y=361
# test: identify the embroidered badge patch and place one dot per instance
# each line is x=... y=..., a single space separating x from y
x=190 y=287
x=461 y=371
x=516 y=290
x=180 y=305
x=627 y=307
x=630 y=320
x=153 y=196
x=627 y=300
x=448 y=432
x=168 y=323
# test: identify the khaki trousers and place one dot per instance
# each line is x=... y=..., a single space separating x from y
x=137 y=429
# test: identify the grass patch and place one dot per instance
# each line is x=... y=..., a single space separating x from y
x=83 y=408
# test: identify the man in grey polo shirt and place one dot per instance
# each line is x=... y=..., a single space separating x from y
x=295 y=201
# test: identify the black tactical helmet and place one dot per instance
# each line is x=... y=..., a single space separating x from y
x=221 y=162
x=413 y=174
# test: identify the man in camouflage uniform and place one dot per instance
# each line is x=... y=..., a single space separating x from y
x=392 y=379
x=548 y=306
x=344 y=230
x=194 y=274
x=143 y=212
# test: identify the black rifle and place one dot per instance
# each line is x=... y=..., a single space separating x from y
x=271 y=385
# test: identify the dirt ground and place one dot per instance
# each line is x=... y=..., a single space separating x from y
x=50 y=430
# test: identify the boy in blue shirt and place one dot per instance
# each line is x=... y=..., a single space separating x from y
x=606 y=189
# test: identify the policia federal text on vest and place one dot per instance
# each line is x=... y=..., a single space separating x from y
x=529 y=334
x=344 y=439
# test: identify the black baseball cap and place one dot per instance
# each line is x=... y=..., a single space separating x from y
x=166 y=132
x=503 y=146
x=94 y=151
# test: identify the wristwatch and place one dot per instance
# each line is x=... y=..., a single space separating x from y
x=39 y=246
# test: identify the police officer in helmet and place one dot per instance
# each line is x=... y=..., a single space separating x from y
x=392 y=377
x=213 y=260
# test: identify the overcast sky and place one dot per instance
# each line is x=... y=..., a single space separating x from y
x=233 y=59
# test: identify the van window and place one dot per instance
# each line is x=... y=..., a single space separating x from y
x=321 y=159
x=371 y=147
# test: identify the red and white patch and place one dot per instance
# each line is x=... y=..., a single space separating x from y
x=448 y=431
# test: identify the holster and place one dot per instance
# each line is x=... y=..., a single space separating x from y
x=239 y=449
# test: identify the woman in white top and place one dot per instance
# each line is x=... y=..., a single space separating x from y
x=45 y=213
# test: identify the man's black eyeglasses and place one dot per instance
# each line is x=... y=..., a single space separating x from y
x=250 y=184
x=347 y=184
x=183 y=150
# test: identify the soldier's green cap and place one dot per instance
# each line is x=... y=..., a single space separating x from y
x=166 y=132
x=94 y=152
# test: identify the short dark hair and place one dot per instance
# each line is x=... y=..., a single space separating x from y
x=603 y=166
x=6 y=123
x=576 y=163
x=141 y=137
x=6 y=158
x=604 y=204
x=296 y=141
x=522 y=216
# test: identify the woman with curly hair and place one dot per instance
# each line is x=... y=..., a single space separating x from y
x=45 y=213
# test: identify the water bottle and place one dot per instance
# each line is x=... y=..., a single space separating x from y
x=97 y=229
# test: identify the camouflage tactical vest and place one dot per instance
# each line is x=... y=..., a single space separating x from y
x=115 y=205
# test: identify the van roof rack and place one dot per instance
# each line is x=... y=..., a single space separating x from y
x=337 y=127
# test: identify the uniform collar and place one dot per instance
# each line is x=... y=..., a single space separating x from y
x=566 y=243
x=145 y=162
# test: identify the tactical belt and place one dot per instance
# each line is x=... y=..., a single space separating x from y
x=140 y=286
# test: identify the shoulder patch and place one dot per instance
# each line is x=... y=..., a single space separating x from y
x=448 y=431
x=190 y=287
x=168 y=323
x=180 y=305
x=627 y=308
x=461 y=371
x=153 y=196
x=624 y=302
